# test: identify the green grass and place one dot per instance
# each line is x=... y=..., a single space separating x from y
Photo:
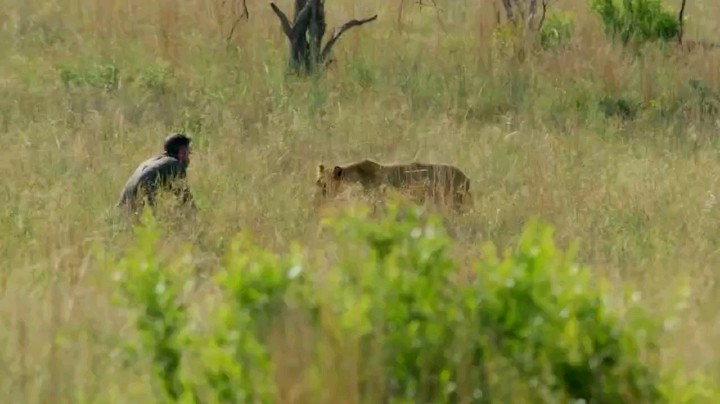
x=90 y=88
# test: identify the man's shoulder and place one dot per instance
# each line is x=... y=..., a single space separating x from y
x=157 y=165
x=162 y=161
x=168 y=166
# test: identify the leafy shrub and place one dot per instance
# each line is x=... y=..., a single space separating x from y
x=396 y=283
x=707 y=99
x=253 y=284
x=642 y=20
x=552 y=321
x=532 y=325
x=556 y=29
x=623 y=107
x=100 y=75
x=695 y=101
x=156 y=78
x=152 y=288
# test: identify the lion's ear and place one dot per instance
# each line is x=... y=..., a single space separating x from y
x=337 y=172
x=320 y=169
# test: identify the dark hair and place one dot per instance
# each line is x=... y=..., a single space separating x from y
x=174 y=142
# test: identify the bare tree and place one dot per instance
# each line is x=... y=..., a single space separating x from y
x=507 y=4
x=681 y=18
x=545 y=4
x=244 y=14
x=229 y=13
x=532 y=13
x=691 y=45
x=525 y=10
x=306 y=32
x=434 y=5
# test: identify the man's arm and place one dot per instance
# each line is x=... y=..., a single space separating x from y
x=182 y=191
x=177 y=174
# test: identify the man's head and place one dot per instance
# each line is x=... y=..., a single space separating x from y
x=178 y=145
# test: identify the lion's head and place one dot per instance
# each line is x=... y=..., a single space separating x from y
x=328 y=181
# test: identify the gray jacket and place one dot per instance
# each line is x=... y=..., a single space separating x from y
x=158 y=172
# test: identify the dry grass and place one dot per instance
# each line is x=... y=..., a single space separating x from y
x=640 y=195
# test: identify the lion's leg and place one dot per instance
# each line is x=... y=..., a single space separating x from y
x=462 y=198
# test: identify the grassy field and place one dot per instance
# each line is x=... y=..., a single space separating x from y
x=89 y=89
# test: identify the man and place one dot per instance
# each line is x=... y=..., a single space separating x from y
x=165 y=172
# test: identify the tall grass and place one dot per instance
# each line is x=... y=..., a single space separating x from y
x=613 y=147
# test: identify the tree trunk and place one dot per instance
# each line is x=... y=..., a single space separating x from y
x=306 y=32
x=525 y=10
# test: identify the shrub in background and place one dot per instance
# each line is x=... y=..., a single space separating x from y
x=641 y=20
x=557 y=29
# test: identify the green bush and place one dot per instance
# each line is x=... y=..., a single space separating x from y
x=642 y=20
x=396 y=285
x=155 y=78
x=623 y=107
x=552 y=322
x=98 y=75
x=531 y=325
x=153 y=289
x=556 y=29
x=235 y=363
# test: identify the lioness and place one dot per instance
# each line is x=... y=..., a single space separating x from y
x=438 y=182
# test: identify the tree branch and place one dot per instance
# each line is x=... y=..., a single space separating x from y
x=532 y=13
x=299 y=4
x=245 y=12
x=508 y=10
x=338 y=32
x=437 y=13
x=232 y=29
x=400 y=13
x=545 y=4
x=284 y=22
x=542 y=16
x=302 y=19
x=520 y=8
x=681 y=17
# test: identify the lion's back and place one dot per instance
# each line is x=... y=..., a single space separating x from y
x=428 y=173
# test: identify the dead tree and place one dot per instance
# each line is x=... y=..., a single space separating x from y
x=525 y=9
x=545 y=5
x=507 y=4
x=691 y=45
x=244 y=14
x=306 y=32
x=681 y=20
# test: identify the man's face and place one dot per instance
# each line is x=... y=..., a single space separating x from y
x=184 y=155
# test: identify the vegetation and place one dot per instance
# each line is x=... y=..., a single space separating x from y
x=581 y=141
x=388 y=308
x=556 y=29
x=642 y=20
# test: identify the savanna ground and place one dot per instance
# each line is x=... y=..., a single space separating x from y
x=90 y=87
